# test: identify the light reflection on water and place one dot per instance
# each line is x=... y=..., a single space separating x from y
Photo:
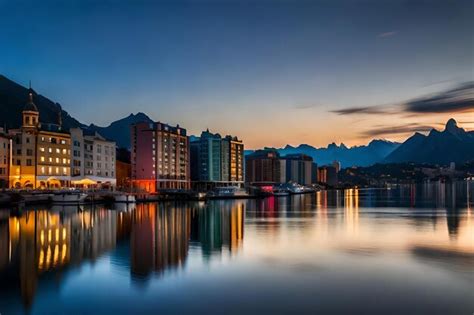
x=407 y=250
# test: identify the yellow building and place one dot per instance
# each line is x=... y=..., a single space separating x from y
x=41 y=152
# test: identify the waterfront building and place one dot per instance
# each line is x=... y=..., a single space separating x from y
x=328 y=175
x=159 y=157
x=5 y=148
x=93 y=159
x=298 y=168
x=40 y=152
x=216 y=161
x=263 y=166
x=123 y=168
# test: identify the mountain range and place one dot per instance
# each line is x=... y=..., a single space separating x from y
x=363 y=155
x=453 y=144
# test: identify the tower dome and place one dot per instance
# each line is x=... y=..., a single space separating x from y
x=30 y=106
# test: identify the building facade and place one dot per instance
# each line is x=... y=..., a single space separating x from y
x=328 y=175
x=263 y=166
x=40 y=152
x=159 y=157
x=216 y=161
x=298 y=168
x=266 y=166
x=93 y=159
x=5 y=161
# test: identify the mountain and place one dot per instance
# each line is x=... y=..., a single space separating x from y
x=363 y=155
x=13 y=98
x=119 y=130
x=453 y=144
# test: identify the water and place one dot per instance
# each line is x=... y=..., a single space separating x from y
x=401 y=251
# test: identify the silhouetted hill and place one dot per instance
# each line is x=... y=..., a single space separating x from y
x=453 y=144
x=13 y=98
x=119 y=130
x=363 y=155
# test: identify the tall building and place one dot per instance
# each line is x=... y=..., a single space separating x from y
x=93 y=159
x=298 y=169
x=216 y=160
x=263 y=166
x=40 y=152
x=235 y=147
x=328 y=175
x=337 y=166
x=159 y=157
x=5 y=147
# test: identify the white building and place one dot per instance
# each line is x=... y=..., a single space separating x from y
x=92 y=160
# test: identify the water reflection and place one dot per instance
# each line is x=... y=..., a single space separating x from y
x=430 y=224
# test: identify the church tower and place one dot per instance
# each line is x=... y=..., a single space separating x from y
x=30 y=114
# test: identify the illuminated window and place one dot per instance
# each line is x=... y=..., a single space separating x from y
x=42 y=159
x=57 y=150
x=50 y=150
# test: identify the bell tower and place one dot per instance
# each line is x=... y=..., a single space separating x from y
x=30 y=113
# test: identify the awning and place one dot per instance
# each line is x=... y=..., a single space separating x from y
x=84 y=181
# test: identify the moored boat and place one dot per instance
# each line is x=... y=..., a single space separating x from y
x=68 y=197
x=124 y=198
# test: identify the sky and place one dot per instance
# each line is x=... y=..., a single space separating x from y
x=270 y=72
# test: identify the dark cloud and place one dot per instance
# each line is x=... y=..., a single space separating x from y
x=457 y=100
x=395 y=130
x=362 y=110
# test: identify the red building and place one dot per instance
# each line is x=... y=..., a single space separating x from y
x=159 y=157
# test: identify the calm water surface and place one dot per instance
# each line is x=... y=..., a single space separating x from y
x=408 y=250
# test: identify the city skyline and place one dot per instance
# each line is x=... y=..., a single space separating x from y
x=244 y=68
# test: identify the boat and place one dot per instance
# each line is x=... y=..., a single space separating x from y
x=281 y=193
x=227 y=192
x=68 y=197
x=124 y=198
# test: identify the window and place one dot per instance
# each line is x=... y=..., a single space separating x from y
x=18 y=162
x=50 y=150
x=64 y=151
x=57 y=170
x=42 y=169
x=64 y=161
x=42 y=159
x=27 y=139
x=29 y=162
x=64 y=170
x=63 y=141
x=41 y=149
x=18 y=151
x=29 y=152
x=57 y=150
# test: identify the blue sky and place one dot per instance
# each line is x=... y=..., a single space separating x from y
x=272 y=72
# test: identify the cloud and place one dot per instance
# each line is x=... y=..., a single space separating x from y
x=387 y=34
x=361 y=110
x=396 y=130
x=459 y=99
x=456 y=100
